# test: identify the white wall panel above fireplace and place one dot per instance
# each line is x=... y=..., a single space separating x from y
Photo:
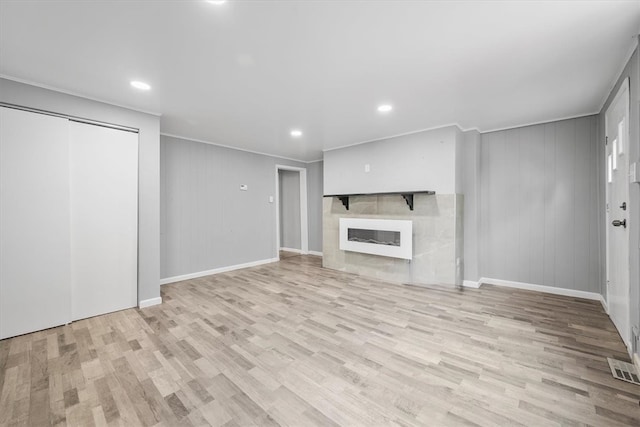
x=420 y=161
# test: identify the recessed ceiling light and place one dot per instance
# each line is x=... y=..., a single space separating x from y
x=217 y=2
x=296 y=133
x=385 y=108
x=140 y=85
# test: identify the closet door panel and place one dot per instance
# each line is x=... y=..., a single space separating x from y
x=34 y=222
x=104 y=219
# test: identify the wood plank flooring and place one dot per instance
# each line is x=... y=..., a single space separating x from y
x=293 y=344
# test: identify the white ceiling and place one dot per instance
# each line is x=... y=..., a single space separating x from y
x=245 y=73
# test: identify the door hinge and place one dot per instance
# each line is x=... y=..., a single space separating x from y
x=606 y=140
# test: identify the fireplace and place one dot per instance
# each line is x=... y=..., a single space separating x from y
x=429 y=227
x=384 y=237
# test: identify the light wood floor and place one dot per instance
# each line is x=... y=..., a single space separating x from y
x=293 y=344
x=287 y=254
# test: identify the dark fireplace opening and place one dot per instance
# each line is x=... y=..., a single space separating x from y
x=377 y=237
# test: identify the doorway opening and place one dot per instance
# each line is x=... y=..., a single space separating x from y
x=292 y=233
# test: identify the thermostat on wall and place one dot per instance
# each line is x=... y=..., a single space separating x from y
x=243 y=187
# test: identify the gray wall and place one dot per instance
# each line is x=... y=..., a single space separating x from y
x=631 y=71
x=470 y=168
x=149 y=191
x=289 y=195
x=420 y=161
x=314 y=203
x=206 y=221
x=459 y=154
x=539 y=205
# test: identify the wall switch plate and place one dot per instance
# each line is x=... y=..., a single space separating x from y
x=244 y=187
x=367 y=167
x=270 y=199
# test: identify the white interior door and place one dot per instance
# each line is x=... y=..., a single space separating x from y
x=104 y=219
x=34 y=222
x=617 y=119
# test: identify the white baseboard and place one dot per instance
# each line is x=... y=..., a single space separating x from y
x=216 y=271
x=470 y=284
x=604 y=303
x=297 y=251
x=543 y=288
x=150 y=302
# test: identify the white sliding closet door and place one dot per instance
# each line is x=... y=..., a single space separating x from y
x=34 y=222
x=104 y=219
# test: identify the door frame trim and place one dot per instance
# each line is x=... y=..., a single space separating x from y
x=304 y=226
x=70 y=117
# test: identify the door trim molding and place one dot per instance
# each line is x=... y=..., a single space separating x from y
x=304 y=226
x=69 y=117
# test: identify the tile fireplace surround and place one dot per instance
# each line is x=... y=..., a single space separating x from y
x=437 y=238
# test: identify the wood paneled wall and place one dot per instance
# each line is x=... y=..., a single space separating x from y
x=539 y=205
